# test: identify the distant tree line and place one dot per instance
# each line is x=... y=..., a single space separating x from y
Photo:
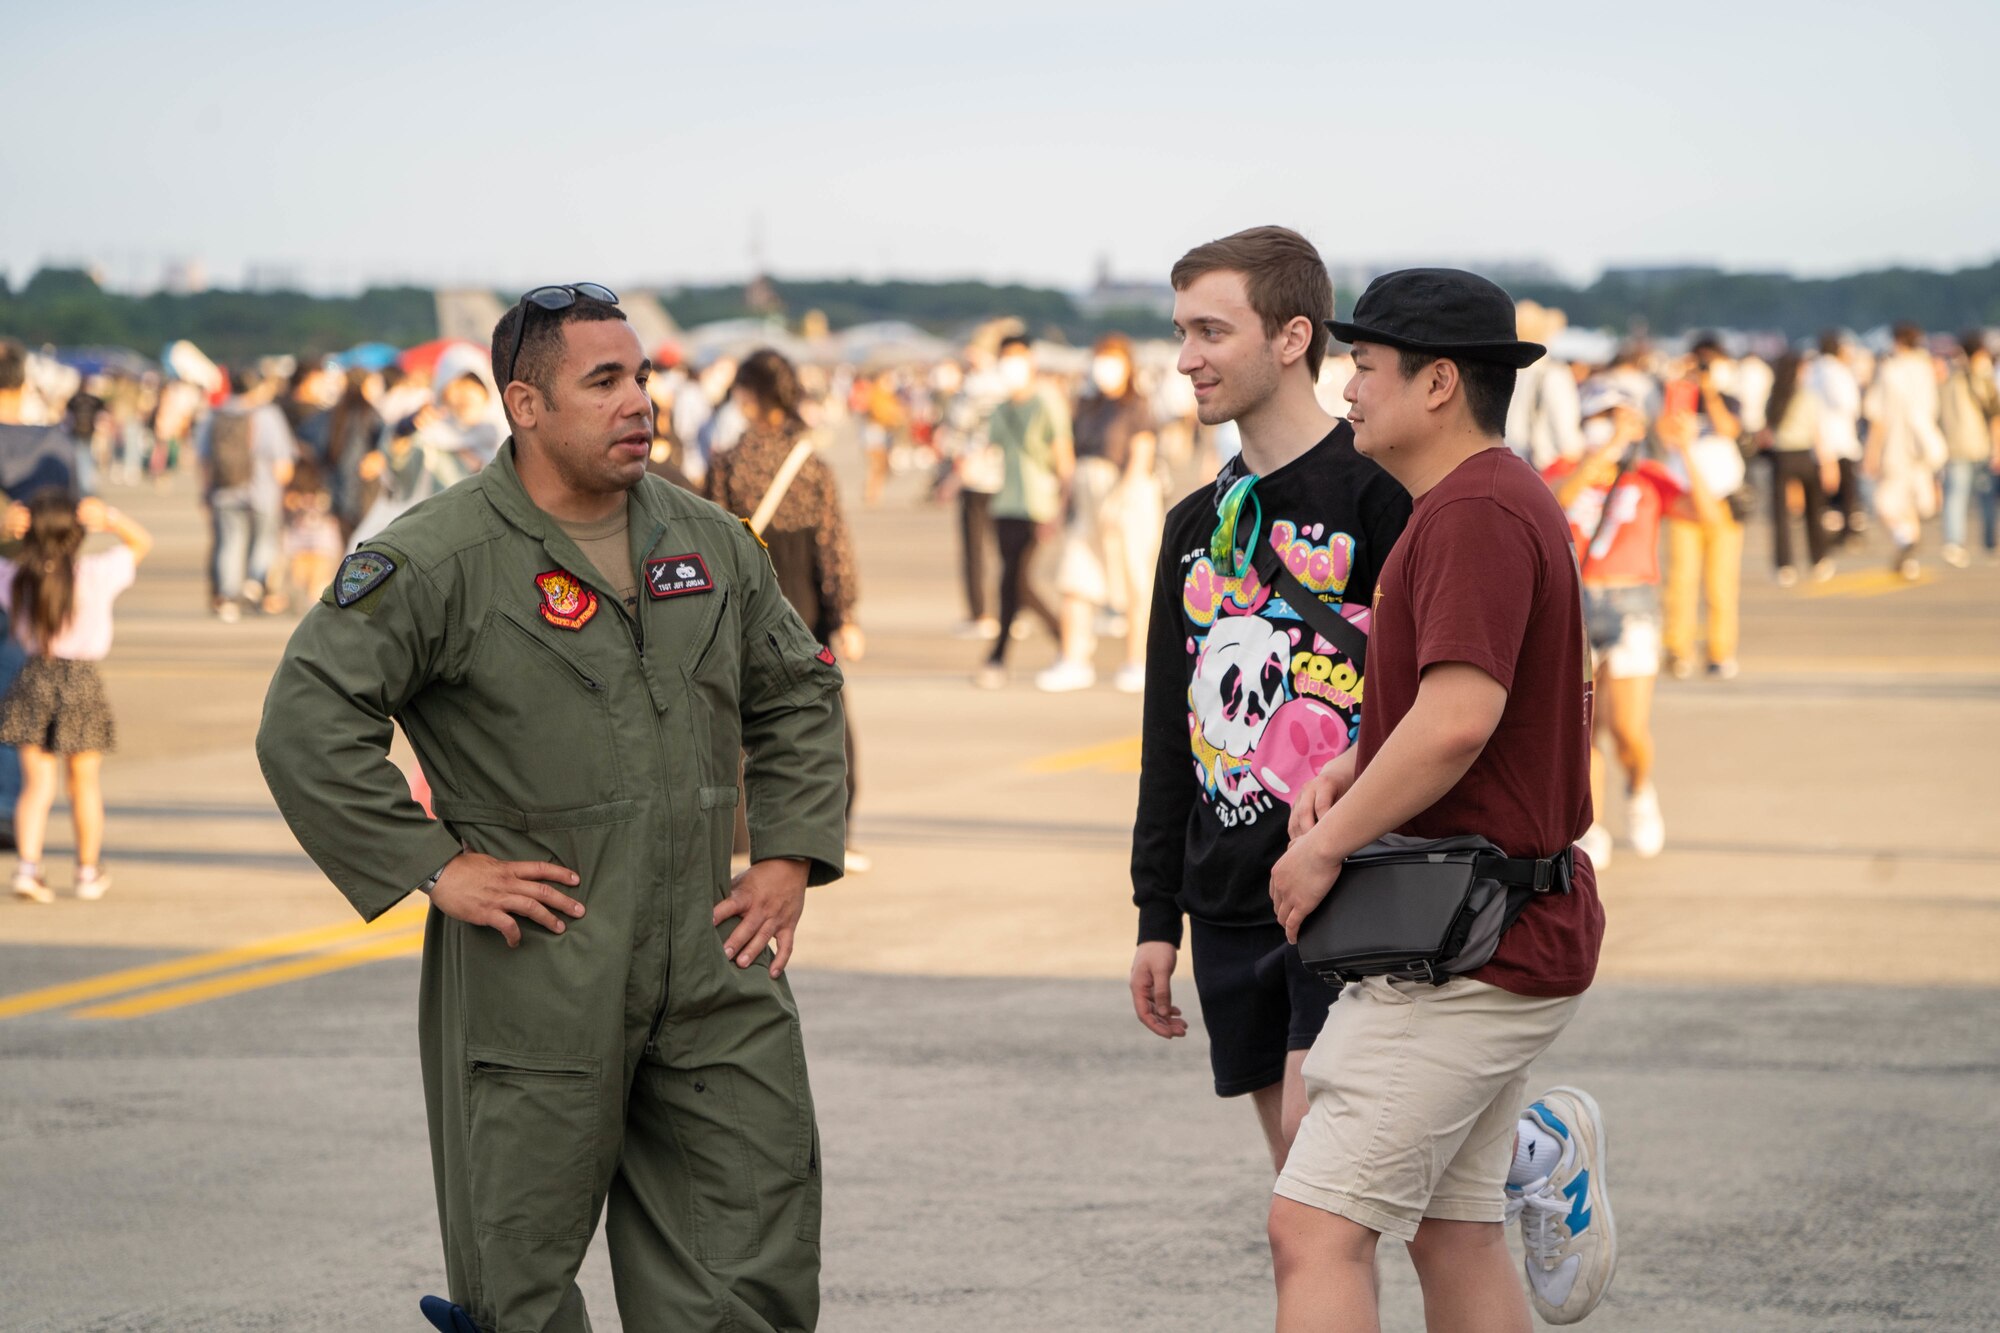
x=66 y=307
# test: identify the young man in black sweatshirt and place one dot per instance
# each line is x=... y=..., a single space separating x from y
x=1245 y=702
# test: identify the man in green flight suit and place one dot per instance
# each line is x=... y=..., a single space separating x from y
x=581 y=655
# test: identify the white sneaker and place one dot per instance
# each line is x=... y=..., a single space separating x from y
x=29 y=886
x=1596 y=844
x=1787 y=576
x=91 y=883
x=1066 y=677
x=1823 y=571
x=1130 y=679
x=1643 y=824
x=1955 y=556
x=1567 y=1233
x=990 y=677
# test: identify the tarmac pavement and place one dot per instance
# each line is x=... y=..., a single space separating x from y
x=1792 y=1034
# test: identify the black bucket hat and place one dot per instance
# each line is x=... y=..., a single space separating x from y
x=1446 y=311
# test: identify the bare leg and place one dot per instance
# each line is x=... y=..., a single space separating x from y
x=1280 y=1108
x=38 y=794
x=1469 y=1278
x=1325 y=1266
x=1632 y=727
x=86 y=802
x=1079 y=634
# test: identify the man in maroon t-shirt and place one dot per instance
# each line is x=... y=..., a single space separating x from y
x=1477 y=722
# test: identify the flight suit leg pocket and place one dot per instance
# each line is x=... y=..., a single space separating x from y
x=532 y=1124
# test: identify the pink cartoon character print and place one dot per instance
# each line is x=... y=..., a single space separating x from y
x=1239 y=683
x=1301 y=738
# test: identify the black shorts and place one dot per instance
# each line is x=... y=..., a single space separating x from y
x=1253 y=1016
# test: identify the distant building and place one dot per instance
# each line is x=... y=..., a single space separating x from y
x=1110 y=294
x=184 y=277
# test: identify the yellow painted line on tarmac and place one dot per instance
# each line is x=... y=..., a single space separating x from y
x=1119 y=756
x=1866 y=583
x=176 y=969
x=399 y=945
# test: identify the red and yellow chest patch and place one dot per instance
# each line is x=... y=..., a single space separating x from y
x=566 y=602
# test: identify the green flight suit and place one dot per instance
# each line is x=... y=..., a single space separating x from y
x=625 y=1057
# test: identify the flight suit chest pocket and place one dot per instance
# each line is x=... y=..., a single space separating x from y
x=540 y=730
x=699 y=633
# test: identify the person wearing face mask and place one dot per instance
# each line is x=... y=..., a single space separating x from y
x=1032 y=431
x=1115 y=513
x=1615 y=500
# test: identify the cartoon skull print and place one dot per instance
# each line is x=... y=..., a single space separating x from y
x=1239 y=681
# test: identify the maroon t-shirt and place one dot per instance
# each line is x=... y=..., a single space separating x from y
x=1485 y=574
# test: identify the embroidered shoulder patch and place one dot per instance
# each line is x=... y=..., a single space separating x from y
x=566 y=602
x=826 y=655
x=677 y=576
x=360 y=574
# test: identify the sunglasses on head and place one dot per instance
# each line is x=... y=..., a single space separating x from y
x=560 y=297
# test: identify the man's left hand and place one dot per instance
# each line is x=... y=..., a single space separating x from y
x=769 y=897
x=1300 y=882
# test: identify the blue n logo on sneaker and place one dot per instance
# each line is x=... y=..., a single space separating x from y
x=1576 y=1192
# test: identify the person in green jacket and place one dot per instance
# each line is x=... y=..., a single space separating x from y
x=581 y=655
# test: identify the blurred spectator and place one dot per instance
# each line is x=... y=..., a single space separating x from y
x=1542 y=418
x=965 y=404
x=1838 y=393
x=883 y=421
x=1705 y=555
x=1115 y=515
x=59 y=604
x=1799 y=459
x=1969 y=412
x=353 y=429
x=1031 y=428
x=1615 y=500
x=775 y=479
x=441 y=443
x=313 y=540
x=1905 y=448
x=246 y=453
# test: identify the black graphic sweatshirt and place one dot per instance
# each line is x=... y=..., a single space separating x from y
x=1244 y=703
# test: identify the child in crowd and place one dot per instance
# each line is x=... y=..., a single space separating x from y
x=313 y=540
x=59 y=606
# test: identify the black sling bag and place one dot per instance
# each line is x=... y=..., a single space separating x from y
x=1417 y=909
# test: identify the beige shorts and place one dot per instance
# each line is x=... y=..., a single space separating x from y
x=1413 y=1093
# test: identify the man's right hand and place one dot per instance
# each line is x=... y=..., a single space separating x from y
x=482 y=891
x=1319 y=795
x=1152 y=989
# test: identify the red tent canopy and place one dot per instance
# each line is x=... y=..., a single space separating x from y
x=423 y=358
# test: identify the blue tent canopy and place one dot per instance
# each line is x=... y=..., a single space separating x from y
x=367 y=356
x=105 y=361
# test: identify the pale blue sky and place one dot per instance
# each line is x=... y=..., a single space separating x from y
x=505 y=142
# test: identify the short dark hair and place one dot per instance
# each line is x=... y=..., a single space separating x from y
x=13 y=365
x=542 y=342
x=241 y=381
x=1283 y=275
x=1830 y=343
x=1972 y=342
x=1907 y=334
x=1707 y=342
x=1488 y=385
x=1015 y=340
